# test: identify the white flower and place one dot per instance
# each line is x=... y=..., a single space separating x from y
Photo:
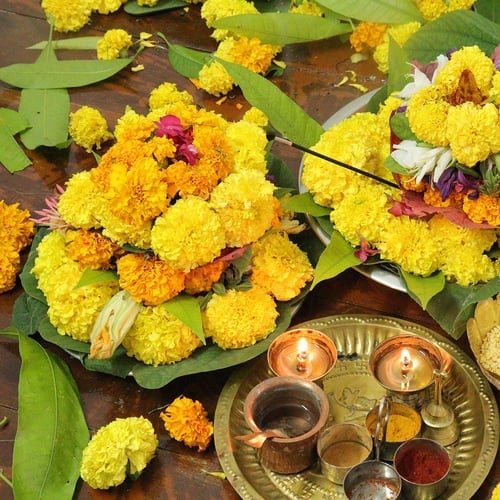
x=421 y=80
x=421 y=160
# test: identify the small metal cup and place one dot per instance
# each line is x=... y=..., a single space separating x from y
x=293 y=407
x=341 y=447
x=413 y=456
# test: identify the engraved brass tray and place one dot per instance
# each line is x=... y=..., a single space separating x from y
x=352 y=392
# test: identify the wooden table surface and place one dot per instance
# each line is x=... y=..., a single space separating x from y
x=311 y=74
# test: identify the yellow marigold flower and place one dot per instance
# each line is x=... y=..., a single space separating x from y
x=72 y=310
x=462 y=251
x=386 y=109
x=68 y=15
x=148 y=279
x=107 y=6
x=255 y=115
x=157 y=337
x=16 y=228
x=244 y=203
x=202 y=278
x=188 y=235
x=187 y=421
x=249 y=142
x=147 y=3
x=113 y=44
x=140 y=193
x=132 y=125
x=467 y=58
x=90 y=249
x=163 y=149
x=279 y=266
x=361 y=140
x=354 y=216
x=367 y=35
x=88 y=128
x=124 y=446
x=427 y=113
x=472 y=132
x=122 y=233
x=495 y=88
x=307 y=7
x=168 y=93
x=10 y=264
x=483 y=209
x=400 y=33
x=496 y=492
x=432 y=9
x=248 y=52
x=211 y=10
x=240 y=318
x=409 y=243
x=214 y=79
x=187 y=180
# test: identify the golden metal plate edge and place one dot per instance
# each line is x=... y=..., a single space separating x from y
x=358 y=334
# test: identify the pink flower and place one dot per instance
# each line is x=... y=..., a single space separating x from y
x=170 y=126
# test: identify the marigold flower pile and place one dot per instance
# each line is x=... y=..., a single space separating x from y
x=451 y=153
x=16 y=232
x=180 y=204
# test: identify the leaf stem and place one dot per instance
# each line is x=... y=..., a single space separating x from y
x=4 y=422
x=6 y=479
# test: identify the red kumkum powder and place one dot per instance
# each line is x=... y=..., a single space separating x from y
x=423 y=466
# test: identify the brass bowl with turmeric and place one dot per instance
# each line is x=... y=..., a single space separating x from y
x=404 y=423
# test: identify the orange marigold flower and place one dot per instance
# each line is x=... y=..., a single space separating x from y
x=91 y=249
x=187 y=421
x=433 y=198
x=410 y=183
x=214 y=148
x=185 y=179
x=366 y=36
x=202 y=278
x=149 y=279
x=486 y=208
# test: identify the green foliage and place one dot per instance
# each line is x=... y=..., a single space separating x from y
x=423 y=289
x=187 y=62
x=304 y=203
x=454 y=30
x=11 y=154
x=187 y=309
x=135 y=9
x=78 y=43
x=46 y=465
x=283 y=28
x=92 y=276
x=285 y=115
x=377 y=11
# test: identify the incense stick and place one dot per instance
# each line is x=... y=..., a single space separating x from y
x=282 y=140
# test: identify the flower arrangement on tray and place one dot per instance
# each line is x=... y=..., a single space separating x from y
x=175 y=247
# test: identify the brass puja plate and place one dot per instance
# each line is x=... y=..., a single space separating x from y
x=352 y=392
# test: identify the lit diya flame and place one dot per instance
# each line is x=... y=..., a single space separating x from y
x=302 y=355
x=406 y=365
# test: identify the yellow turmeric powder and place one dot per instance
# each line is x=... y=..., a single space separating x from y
x=399 y=428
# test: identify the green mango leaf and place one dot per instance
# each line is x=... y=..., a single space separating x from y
x=454 y=30
x=49 y=333
x=46 y=464
x=61 y=74
x=12 y=156
x=377 y=99
x=135 y=9
x=209 y=358
x=48 y=112
x=391 y=164
x=376 y=11
x=187 y=309
x=285 y=115
x=423 y=289
x=281 y=174
x=401 y=127
x=304 y=203
x=187 y=62
x=337 y=257
x=79 y=43
x=28 y=313
x=119 y=365
x=92 y=276
x=28 y=279
x=490 y=9
x=399 y=68
x=272 y=5
x=283 y=29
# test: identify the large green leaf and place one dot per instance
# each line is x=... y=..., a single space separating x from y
x=304 y=203
x=337 y=257
x=187 y=309
x=187 y=62
x=490 y=9
x=423 y=289
x=377 y=11
x=285 y=115
x=12 y=157
x=60 y=74
x=399 y=67
x=46 y=465
x=48 y=113
x=454 y=30
x=78 y=43
x=283 y=28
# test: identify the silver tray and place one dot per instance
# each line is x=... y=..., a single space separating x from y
x=377 y=273
x=352 y=392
